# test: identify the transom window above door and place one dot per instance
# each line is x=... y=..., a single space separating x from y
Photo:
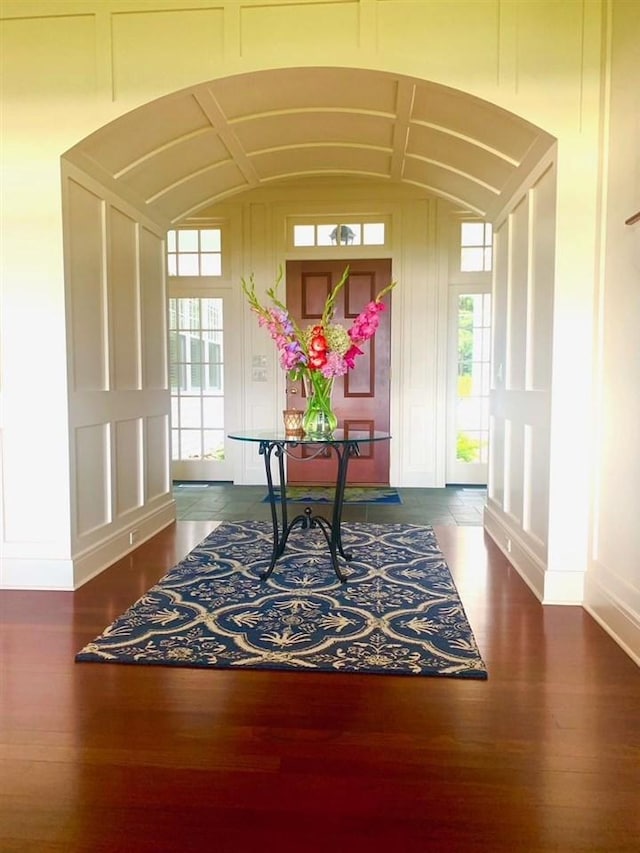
x=335 y=233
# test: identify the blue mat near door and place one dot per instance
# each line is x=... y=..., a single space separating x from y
x=382 y=495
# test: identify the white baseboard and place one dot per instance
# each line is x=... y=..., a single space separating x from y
x=36 y=574
x=622 y=625
x=550 y=587
x=569 y=588
x=96 y=559
x=69 y=574
x=530 y=568
x=563 y=588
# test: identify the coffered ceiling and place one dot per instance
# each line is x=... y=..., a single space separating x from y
x=193 y=148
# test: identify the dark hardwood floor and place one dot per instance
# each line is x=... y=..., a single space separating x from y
x=544 y=756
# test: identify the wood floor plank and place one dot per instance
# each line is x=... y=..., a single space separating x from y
x=544 y=756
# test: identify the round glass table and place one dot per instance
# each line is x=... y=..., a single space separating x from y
x=274 y=443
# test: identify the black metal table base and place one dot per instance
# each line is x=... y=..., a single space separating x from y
x=282 y=527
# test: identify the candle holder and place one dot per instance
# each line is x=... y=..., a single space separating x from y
x=293 y=423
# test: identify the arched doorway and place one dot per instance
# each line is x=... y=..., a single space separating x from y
x=163 y=163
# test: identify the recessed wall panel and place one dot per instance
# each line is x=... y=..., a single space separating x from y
x=38 y=69
x=496 y=460
x=537 y=522
x=156 y=456
x=129 y=470
x=293 y=28
x=124 y=302
x=88 y=298
x=499 y=306
x=165 y=49
x=561 y=47
x=460 y=35
x=153 y=310
x=543 y=201
x=93 y=477
x=515 y=482
x=517 y=300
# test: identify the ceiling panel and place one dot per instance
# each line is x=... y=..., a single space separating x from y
x=474 y=119
x=460 y=154
x=322 y=158
x=212 y=185
x=272 y=131
x=180 y=153
x=446 y=183
x=177 y=162
x=144 y=131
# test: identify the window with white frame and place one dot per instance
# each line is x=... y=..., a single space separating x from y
x=194 y=252
x=473 y=377
x=476 y=247
x=196 y=365
x=352 y=233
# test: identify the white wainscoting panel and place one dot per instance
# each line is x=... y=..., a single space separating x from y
x=87 y=289
x=93 y=477
x=124 y=300
x=156 y=455
x=129 y=471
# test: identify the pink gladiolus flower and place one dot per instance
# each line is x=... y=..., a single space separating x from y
x=318 y=349
x=366 y=323
x=350 y=356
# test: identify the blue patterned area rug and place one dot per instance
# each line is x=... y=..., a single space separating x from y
x=398 y=613
x=380 y=495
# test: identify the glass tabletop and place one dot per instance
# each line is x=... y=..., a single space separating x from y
x=338 y=436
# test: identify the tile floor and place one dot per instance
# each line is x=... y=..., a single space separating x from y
x=453 y=505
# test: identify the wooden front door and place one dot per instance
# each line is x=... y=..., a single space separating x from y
x=361 y=398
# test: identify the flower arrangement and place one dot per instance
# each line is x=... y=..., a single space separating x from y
x=318 y=353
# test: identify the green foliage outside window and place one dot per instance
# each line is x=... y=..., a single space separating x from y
x=467 y=448
x=465 y=335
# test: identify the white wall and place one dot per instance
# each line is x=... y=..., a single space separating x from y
x=117 y=375
x=517 y=512
x=612 y=590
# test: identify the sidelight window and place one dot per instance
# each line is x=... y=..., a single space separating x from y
x=197 y=372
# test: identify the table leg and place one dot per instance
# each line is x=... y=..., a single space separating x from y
x=279 y=538
x=332 y=530
x=348 y=450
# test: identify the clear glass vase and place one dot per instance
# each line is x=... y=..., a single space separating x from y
x=319 y=418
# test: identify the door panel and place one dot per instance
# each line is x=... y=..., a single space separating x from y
x=361 y=398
